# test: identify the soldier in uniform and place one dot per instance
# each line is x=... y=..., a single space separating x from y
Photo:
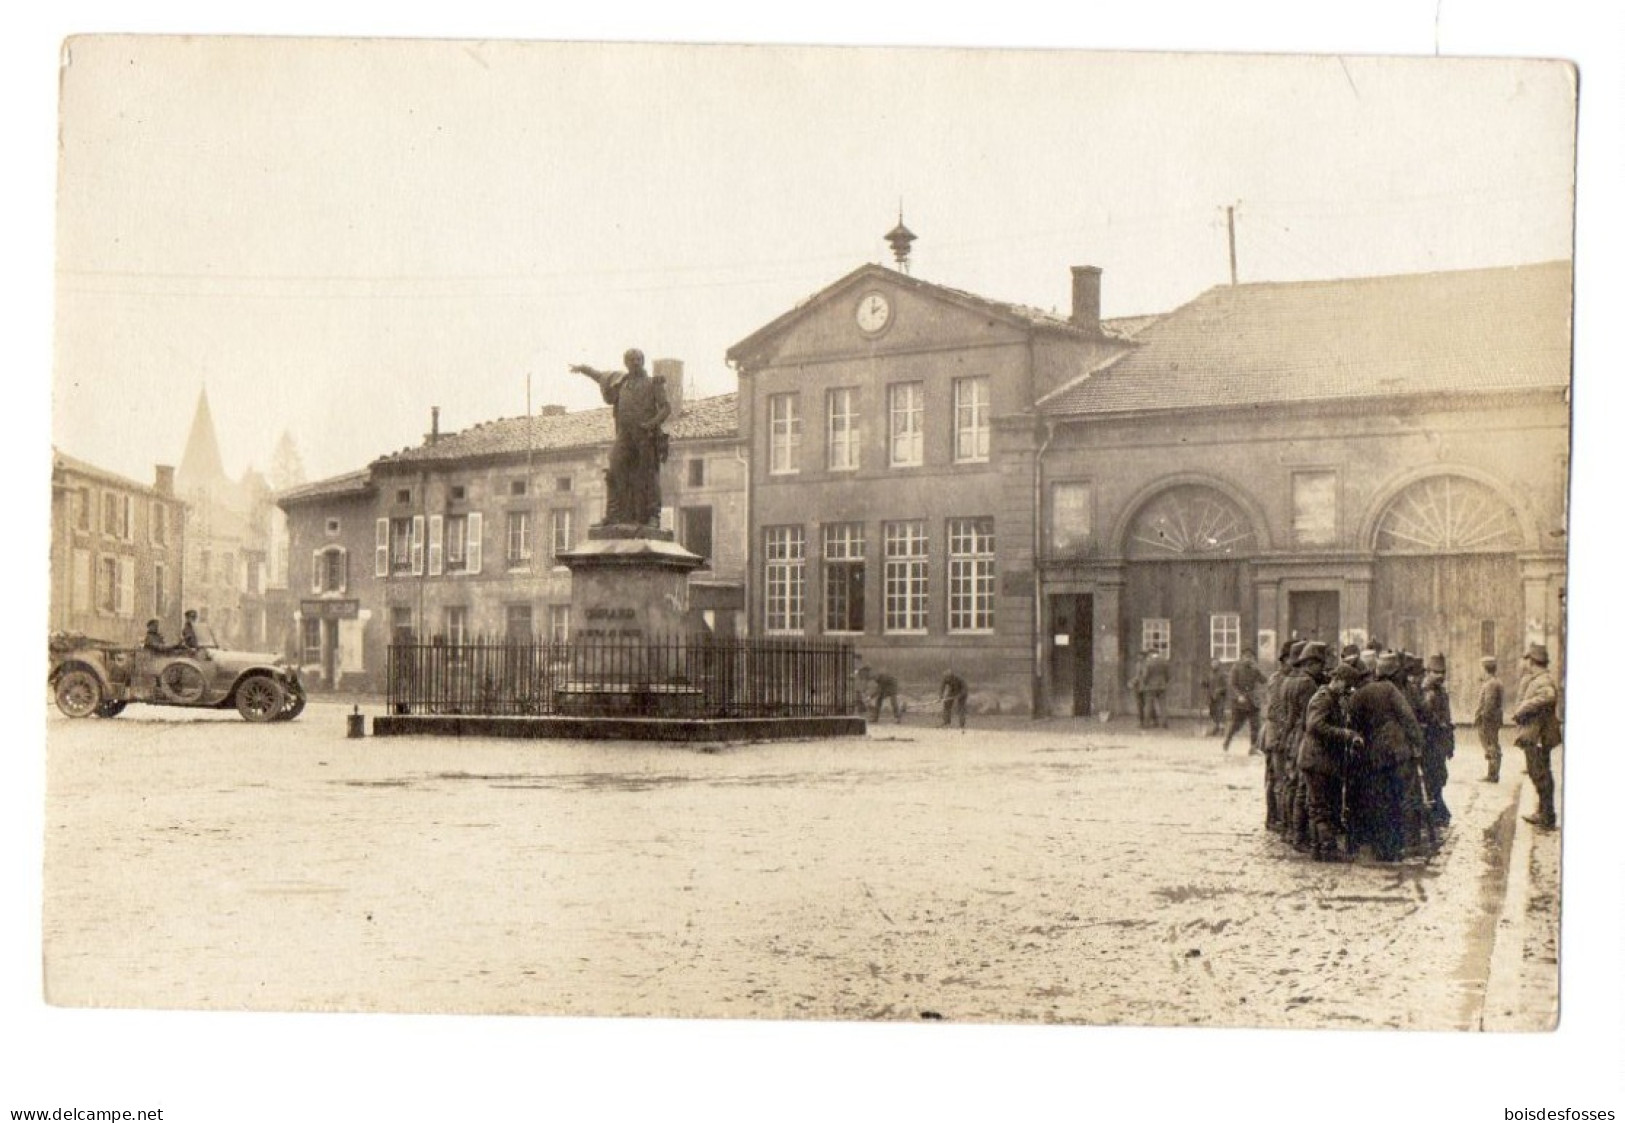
x=1155 y=685
x=640 y=446
x=1539 y=732
x=954 y=696
x=1439 y=737
x=1487 y=719
x=1323 y=754
x=1270 y=734
x=1299 y=687
x=1382 y=717
x=1215 y=687
x=1245 y=679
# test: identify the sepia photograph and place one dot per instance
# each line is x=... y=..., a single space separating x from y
x=863 y=556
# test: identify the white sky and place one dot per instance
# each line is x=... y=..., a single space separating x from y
x=999 y=216
x=333 y=236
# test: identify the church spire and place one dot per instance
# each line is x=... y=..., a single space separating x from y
x=201 y=465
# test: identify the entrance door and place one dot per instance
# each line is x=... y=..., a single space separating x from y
x=1072 y=653
x=1314 y=616
x=330 y=652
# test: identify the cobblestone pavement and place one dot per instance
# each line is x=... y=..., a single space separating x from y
x=1034 y=872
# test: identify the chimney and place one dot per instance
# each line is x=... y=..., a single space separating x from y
x=434 y=425
x=1086 y=297
x=672 y=371
x=554 y=411
x=164 y=479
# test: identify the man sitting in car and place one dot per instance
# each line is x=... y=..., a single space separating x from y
x=154 y=639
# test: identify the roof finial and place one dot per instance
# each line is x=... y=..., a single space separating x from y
x=900 y=239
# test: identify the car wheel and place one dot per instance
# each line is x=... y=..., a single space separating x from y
x=295 y=705
x=260 y=698
x=110 y=709
x=78 y=693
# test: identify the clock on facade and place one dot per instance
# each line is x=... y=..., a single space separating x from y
x=874 y=312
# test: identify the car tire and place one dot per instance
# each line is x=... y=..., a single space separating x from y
x=295 y=705
x=260 y=698
x=78 y=693
x=110 y=709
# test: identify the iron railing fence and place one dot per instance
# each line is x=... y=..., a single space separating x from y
x=689 y=676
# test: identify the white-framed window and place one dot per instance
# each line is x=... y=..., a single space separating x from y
x=785 y=578
x=1156 y=634
x=972 y=587
x=518 y=539
x=329 y=570
x=841 y=429
x=906 y=407
x=784 y=433
x=310 y=639
x=456 y=543
x=456 y=624
x=843 y=577
x=118 y=515
x=400 y=545
x=562 y=531
x=1224 y=636
x=973 y=429
x=1314 y=508
x=558 y=623
x=908 y=575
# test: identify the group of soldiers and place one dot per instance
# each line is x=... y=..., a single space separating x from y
x=1357 y=744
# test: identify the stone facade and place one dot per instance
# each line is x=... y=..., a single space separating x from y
x=117 y=550
x=460 y=538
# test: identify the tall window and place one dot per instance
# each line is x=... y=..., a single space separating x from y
x=784 y=433
x=1156 y=635
x=906 y=401
x=972 y=427
x=696 y=472
x=1224 y=637
x=81 y=508
x=971 y=585
x=843 y=577
x=518 y=620
x=907 y=576
x=400 y=624
x=160 y=522
x=400 y=545
x=841 y=437
x=558 y=623
x=456 y=543
x=456 y=624
x=1314 y=508
x=107 y=585
x=310 y=639
x=562 y=528
x=1071 y=517
x=333 y=570
x=786 y=578
x=117 y=514
x=696 y=531
x=518 y=538
x=160 y=590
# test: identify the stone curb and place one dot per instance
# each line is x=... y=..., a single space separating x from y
x=1504 y=1007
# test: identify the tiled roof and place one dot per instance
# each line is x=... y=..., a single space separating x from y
x=351 y=483
x=61 y=460
x=703 y=418
x=1469 y=331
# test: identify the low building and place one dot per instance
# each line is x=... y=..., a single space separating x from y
x=458 y=539
x=117 y=548
x=1339 y=460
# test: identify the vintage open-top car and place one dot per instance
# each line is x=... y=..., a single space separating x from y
x=94 y=677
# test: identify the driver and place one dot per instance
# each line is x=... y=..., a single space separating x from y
x=154 y=639
x=189 y=629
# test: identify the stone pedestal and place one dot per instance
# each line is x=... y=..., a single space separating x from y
x=629 y=607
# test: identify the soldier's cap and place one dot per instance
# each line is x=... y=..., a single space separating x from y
x=1351 y=673
x=1296 y=650
x=153 y=623
x=1436 y=664
x=1537 y=654
x=1313 y=652
x=1387 y=663
x=1488 y=663
x=1351 y=651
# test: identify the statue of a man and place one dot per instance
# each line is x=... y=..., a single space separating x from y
x=640 y=445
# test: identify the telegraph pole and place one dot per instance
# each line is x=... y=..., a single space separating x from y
x=1230 y=223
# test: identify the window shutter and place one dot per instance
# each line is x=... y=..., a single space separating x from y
x=316 y=567
x=126 y=587
x=154 y=509
x=344 y=569
x=437 y=529
x=476 y=540
x=417 y=545
x=129 y=520
x=380 y=555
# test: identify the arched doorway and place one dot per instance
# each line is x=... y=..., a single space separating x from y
x=1187 y=589
x=1447 y=579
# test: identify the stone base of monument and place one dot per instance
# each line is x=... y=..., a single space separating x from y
x=609 y=728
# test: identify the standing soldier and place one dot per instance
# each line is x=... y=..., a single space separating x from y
x=1245 y=679
x=1215 y=686
x=1383 y=718
x=1136 y=685
x=1300 y=686
x=953 y=696
x=1439 y=735
x=1488 y=717
x=1323 y=754
x=1539 y=732
x=1155 y=685
x=1270 y=735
